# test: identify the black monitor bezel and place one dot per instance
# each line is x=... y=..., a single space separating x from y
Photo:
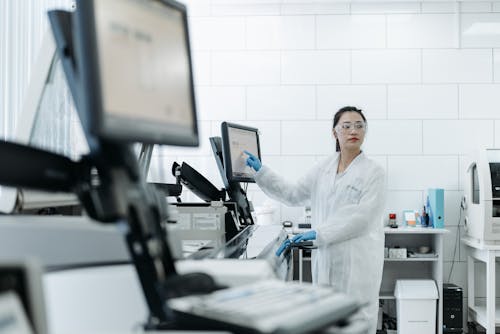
x=226 y=152
x=92 y=100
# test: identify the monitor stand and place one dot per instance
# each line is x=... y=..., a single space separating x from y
x=121 y=194
x=234 y=191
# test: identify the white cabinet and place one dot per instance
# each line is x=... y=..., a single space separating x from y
x=418 y=268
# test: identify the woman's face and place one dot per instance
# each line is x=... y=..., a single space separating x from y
x=350 y=131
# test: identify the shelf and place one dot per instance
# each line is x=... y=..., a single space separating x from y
x=474 y=243
x=478 y=313
x=415 y=230
x=412 y=238
x=386 y=295
x=413 y=259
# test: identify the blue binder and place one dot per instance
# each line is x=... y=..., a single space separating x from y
x=435 y=207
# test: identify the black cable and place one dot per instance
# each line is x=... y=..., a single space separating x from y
x=457 y=238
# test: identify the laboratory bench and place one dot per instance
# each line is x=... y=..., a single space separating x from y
x=397 y=268
x=88 y=269
x=91 y=285
x=488 y=314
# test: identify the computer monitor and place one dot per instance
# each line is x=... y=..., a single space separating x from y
x=134 y=60
x=235 y=140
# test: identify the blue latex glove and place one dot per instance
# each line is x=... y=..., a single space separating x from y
x=253 y=161
x=283 y=246
x=309 y=235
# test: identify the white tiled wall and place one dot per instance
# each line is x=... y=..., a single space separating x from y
x=422 y=101
x=344 y=32
x=315 y=67
x=439 y=7
x=386 y=66
x=496 y=65
x=497 y=133
x=280 y=32
x=335 y=97
x=479 y=101
x=426 y=74
x=245 y=67
x=456 y=136
x=412 y=30
x=281 y=102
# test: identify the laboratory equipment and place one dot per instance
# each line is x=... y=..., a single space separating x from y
x=416 y=306
x=482 y=196
x=197 y=183
x=204 y=189
x=236 y=139
x=233 y=188
x=69 y=237
x=229 y=155
x=268 y=307
x=128 y=62
x=112 y=53
x=127 y=57
x=46 y=120
x=22 y=279
x=197 y=226
x=12 y=315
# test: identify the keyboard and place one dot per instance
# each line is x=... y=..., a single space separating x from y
x=268 y=306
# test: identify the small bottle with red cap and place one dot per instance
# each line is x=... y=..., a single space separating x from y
x=392 y=220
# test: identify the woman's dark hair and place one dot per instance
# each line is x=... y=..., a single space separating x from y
x=339 y=114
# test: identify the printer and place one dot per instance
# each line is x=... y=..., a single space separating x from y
x=482 y=196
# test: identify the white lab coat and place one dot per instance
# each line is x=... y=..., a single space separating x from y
x=346 y=212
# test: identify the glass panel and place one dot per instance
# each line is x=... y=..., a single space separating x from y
x=496 y=208
x=57 y=127
x=475 y=185
x=495 y=179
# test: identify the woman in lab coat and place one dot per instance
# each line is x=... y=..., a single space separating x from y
x=346 y=192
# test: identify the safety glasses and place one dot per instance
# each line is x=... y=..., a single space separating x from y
x=348 y=127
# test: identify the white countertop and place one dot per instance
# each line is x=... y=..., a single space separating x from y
x=475 y=243
x=416 y=229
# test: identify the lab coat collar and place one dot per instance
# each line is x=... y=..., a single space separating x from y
x=336 y=162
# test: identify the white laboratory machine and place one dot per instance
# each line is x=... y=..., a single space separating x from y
x=482 y=196
x=416 y=306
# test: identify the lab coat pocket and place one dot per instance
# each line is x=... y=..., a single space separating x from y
x=352 y=195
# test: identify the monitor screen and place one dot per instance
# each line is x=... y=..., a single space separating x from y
x=140 y=57
x=235 y=140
